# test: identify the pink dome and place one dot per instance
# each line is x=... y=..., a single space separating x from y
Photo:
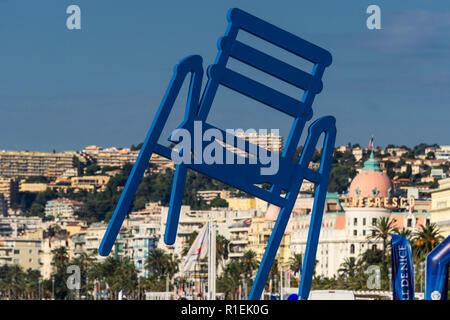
x=371 y=184
x=272 y=213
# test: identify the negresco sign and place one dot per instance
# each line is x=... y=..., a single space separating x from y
x=379 y=202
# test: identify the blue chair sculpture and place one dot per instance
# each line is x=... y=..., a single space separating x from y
x=246 y=177
x=436 y=278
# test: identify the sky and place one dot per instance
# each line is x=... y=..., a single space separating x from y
x=66 y=89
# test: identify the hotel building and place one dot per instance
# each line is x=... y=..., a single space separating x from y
x=346 y=226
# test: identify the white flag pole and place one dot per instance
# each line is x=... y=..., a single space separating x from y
x=212 y=260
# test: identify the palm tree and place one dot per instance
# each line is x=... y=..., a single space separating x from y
x=60 y=258
x=222 y=244
x=190 y=240
x=84 y=261
x=32 y=283
x=426 y=239
x=296 y=263
x=249 y=263
x=349 y=267
x=403 y=232
x=124 y=277
x=173 y=265
x=4 y=281
x=382 y=230
x=157 y=263
x=231 y=279
x=15 y=278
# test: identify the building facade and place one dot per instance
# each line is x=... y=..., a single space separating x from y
x=440 y=206
x=28 y=164
x=348 y=226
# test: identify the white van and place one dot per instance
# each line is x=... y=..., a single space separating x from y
x=331 y=295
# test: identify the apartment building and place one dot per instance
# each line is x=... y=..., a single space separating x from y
x=209 y=195
x=9 y=188
x=259 y=233
x=32 y=187
x=357 y=153
x=440 y=206
x=443 y=153
x=113 y=156
x=3 y=206
x=62 y=208
x=145 y=229
x=243 y=204
x=90 y=183
x=21 y=251
x=28 y=164
x=239 y=230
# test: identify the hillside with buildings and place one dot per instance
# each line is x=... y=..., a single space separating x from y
x=54 y=209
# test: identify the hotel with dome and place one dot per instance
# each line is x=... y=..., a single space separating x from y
x=348 y=219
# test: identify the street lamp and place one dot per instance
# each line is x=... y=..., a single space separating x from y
x=53 y=287
x=422 y=269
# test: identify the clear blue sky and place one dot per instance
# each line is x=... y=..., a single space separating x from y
x=63 y=90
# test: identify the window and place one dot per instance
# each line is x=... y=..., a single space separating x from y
x=374 y=221
x=352 y=248
x=16 y=251
x=355 y=233
x=374 y=247
x=364 y=232
x=355 y=221
x=409 y=224
x=373 y=233
x=364 y=221
x=441 y=204
x=375 y=192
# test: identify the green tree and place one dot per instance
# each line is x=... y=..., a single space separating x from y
x=403 y=232
x=249 y=263
x=296 y=263
x=430 y=156
x=92 y=169
x=349 y=267
x=222 y=244
x=231 y=279
x=382 y=230
x=161 y=264
x=115 y=274
x=60 y=262
x=425 y=240
x=219 y=203
x=188 y=244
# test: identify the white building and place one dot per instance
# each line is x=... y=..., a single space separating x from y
x=62 y=208
x=346 y=227
x=443 y=153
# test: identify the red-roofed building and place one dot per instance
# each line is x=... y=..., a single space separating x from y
x=62 y=207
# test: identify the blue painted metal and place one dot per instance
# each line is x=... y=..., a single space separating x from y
x=246 y=176
x=436 y=276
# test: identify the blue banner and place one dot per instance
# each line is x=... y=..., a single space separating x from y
x=436 y=279
x=402 y=268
